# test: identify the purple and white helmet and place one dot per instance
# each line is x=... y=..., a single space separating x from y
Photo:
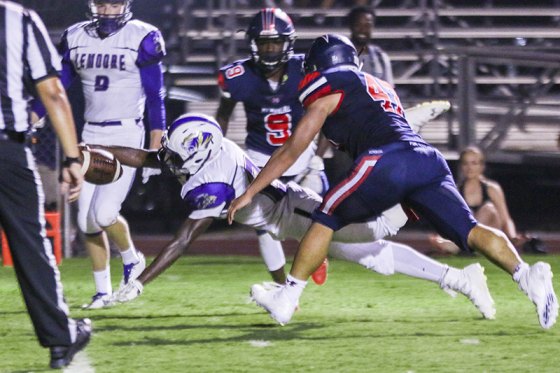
x=190 y=142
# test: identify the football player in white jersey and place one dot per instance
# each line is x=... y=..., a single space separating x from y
x=213 y=171
x=118 y=61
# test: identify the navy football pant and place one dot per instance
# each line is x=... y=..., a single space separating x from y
x=410 y=173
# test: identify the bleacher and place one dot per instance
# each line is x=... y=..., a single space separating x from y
x=429 y=43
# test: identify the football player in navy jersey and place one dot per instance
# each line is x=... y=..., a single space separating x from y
x=214 y=170
x=266 y=84
x=362 y=115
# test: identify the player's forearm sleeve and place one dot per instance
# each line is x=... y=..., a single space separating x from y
x=152 y=81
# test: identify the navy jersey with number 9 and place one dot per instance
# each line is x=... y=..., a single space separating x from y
x=272 y=114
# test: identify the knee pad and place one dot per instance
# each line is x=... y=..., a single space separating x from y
x=106 y=216
x=86 y=223
x=271 y=252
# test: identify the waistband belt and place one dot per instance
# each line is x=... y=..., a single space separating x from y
x=15 y=136
x=115 y=122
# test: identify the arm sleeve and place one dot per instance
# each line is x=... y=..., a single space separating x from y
x=209 y=200
x=150 y=54
x=152 y=82
x=152 y=49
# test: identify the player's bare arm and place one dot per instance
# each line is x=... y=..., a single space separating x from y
x=223 y=114
x=189 y=231
x=310 y=124
x=131 y=157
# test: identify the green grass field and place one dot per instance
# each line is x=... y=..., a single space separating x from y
x=195 y=318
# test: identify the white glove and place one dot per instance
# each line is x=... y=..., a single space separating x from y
x=131 y=291
x=316 y=163
x=149 y=172
x=312 y=177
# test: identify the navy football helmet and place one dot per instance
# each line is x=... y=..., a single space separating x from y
x=328 y=51
x=271 y=24
x=109 y=24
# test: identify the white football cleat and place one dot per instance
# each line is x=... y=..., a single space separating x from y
x=471 y=282
x=536 y=282
x=132 y=271
x=274 y=301
x=417 y=116
x=99 y=300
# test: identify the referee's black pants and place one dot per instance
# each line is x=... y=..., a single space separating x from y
x=22 y=217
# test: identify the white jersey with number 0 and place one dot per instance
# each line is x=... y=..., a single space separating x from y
x=108 y=70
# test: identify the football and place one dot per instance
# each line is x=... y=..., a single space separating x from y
x=100 y=166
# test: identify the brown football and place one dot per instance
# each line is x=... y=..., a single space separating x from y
x=100 y=166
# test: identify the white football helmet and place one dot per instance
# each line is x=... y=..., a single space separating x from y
x=192 y=140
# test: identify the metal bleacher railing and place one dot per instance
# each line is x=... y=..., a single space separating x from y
x=482 y=56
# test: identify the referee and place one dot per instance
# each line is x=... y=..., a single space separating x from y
x=28 y=66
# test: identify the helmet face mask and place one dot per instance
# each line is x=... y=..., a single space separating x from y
x=329 y=51
x=190 y=142
x=106 y=21
x=271 y=25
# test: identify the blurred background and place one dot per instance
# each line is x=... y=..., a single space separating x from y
x=496 y=61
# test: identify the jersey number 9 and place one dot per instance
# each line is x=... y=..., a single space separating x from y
x=279 y=128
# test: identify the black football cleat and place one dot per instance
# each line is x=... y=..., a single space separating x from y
x=61 y=356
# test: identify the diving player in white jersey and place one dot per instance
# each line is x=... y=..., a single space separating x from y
x=213 y=171
x=118 y=61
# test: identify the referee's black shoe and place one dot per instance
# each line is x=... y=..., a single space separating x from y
x=62 y=356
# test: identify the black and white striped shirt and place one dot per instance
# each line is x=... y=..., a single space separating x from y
x=27 y=55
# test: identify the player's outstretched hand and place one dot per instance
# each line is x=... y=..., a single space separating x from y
x=72 y=180
x=130 y=292
x=238 y=203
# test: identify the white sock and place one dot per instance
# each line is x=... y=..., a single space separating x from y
x=271 y=252
x=129 y=256
x=410 y=262
x=294 y=288
x=103 y=281
x=519 y=271
x=450 y=278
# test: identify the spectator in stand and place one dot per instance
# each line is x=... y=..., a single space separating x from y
x=487 y=201
x=374 y=60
